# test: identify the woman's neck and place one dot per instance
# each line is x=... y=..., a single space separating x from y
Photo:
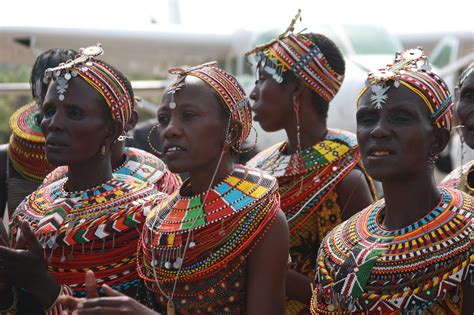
x=313 y=129
x=119 y=154
x=88 y=175
x=200 y=180
x=408 y=200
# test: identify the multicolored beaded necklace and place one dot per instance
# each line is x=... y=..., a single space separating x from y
x=222 y=232
x=320 y=169
x=139 y=164
x=26 y=146
x=73 y=227
x=363 y=267
x=458 y=178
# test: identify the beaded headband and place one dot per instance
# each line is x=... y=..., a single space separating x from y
x=412 y=70
x=304 y=58
x=98 y=75
x=225 y=85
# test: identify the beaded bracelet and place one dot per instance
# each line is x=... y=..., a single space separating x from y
x=56 y=308
x=12 y=309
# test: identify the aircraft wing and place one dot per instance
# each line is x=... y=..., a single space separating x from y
x=147 y=51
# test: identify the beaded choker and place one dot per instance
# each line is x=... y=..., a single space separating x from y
x=235 y=215
x=363 y=267
x=26 y=146
x=139 y=164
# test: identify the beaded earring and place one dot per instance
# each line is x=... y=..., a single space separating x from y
x=102 y=150
x=150 y=144
x=296 y=109
x=461 y=139
x=432 y=159
x=124 y=136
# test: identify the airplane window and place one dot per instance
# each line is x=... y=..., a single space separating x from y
x=443 y=57
x=368 y=40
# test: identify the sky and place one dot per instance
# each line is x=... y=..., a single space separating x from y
x=397 y=16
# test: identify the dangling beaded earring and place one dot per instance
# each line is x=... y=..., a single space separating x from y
x=102 y=150
x=124 y=136
x=148 y=138
x=461 y=175
x=299 y=151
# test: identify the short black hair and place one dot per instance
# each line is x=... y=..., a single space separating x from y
x=336 y=61
x=49 y=59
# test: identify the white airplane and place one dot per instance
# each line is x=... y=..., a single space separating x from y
x=149 y=51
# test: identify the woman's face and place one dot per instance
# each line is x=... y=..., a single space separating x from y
x=75 y=128
x=273 y=102
x=465 y=109
x=192 y=134
x=395 y=141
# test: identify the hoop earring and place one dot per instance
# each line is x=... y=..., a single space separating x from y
x=149 y=141
x=236 y=148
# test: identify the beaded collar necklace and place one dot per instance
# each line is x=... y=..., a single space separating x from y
x=231 y=217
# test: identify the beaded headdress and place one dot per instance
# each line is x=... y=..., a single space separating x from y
x=98 y=75
x=412 y=70
x=297 y=53
x=26 y=145
x=225 y=85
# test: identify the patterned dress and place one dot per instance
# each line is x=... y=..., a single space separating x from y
x=308 y=196
x=202 y=249
x=457 y=179
x=366 y=269
x=139 y=164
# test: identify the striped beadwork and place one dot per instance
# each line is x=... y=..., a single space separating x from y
x=26 y=145
x=457 y=179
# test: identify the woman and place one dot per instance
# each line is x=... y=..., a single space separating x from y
x=411 y=252
x=321 y=181
x=462 y=178
x=220 y=244
x=91 y=219
x=133 y=162
x=23 y=163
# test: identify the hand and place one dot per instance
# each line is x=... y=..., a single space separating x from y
x=26 y=268
x=69 y=303
x=114 y=303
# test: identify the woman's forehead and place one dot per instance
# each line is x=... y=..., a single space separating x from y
x=397 y=97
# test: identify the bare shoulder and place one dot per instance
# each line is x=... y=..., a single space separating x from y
x=277 y=237
x=354 y=193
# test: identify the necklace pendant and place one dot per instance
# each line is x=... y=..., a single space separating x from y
x=170 y=310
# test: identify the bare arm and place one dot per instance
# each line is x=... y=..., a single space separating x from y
x=3 y=179
x=468 y=297
x=267 y=270
x=353 y=193
x=298 y=287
